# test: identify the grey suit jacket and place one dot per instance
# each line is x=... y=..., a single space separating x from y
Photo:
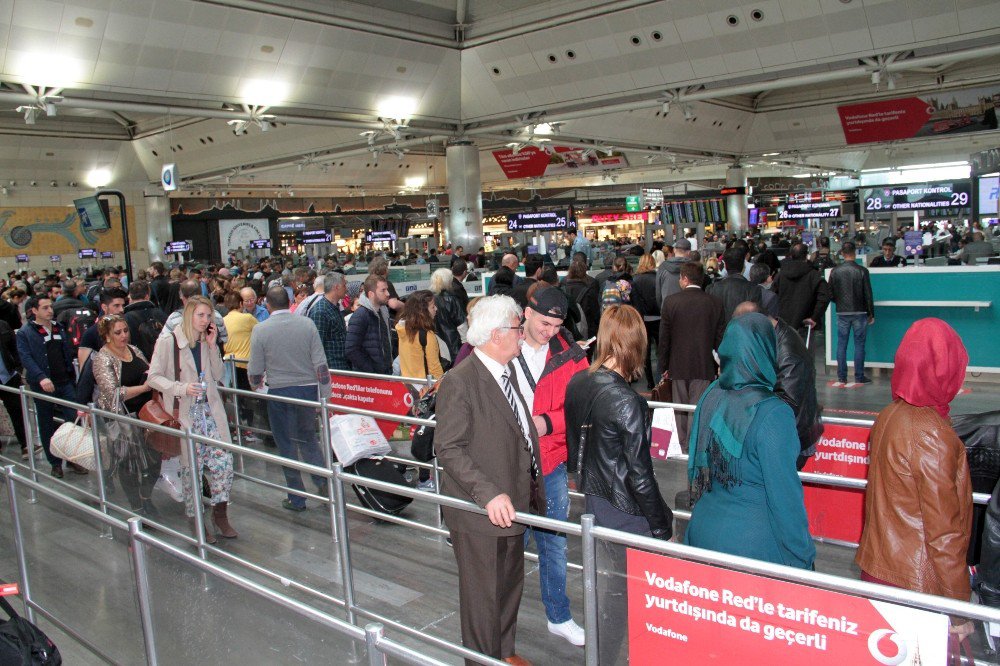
x=481 y=448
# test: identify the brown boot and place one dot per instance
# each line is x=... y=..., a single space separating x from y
x=209 y=537
x=221 y=520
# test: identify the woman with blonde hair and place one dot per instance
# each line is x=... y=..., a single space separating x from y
x=608 y=433
x=450 y=316
x=193 y=344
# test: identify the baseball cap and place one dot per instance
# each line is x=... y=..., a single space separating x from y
x=682 y=244
x=549 y=302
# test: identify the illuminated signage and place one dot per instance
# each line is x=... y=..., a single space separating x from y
x=173 y=247
x=729 y=191
x=21 y=259
x=549 y=220
x=87 y=253
x=260 y=244
x=633 y=203
x=921 y=196
x=803 y=211
x=603 y=218
x=55 y=258
x=379 y=236
x=317 y=236
x=989 y=189
x=107 y=255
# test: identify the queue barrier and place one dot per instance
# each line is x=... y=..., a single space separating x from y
x=339 y=533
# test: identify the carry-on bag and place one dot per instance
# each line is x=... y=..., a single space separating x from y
x=379 y=500
x=24 y=644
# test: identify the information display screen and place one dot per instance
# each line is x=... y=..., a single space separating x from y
x=174 y=247
x=946 y=195
x=87 y=253
x=317 y=236
x=260 y=244
x=989 y=192
x=805 y=211
x=21 y=259
x=92 y=217
x=107 y=255
x=379 y=236
x=710 y=210
x=55 y=258
x=546 y=220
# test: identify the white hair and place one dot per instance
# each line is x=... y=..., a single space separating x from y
x=441 y=280
x=489 y=314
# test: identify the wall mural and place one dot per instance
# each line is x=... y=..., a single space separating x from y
x=56 y=230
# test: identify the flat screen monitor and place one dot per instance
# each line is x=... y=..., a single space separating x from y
x=92 y=214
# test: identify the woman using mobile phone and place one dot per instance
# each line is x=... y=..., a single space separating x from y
x=201 y=407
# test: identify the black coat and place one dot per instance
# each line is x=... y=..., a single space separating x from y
x=502 y=283
x=644 y=294
x=802 y=292
x=797 y=384
x=733 y=290
x=607 y=431
x=449 y=317
x=691 y=326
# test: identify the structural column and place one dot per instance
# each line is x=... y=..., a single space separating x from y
x=736 y=204
x=464 y=225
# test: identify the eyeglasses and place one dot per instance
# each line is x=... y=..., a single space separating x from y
x=520 y=329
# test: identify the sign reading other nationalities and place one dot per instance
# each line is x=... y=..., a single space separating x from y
x=683 y=612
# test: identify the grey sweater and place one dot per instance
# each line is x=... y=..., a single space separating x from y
x=288 y=350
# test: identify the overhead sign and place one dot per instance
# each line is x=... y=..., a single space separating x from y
x=700 y=614
x=291 y=225
x=169 y=178
x=543 y=220
x=954 y=112
x=379 y=236
x=604 y=218
x=837 y=513
x=633 y=203
x=801 y=211
x=107 y=255
x=260 y=244
x=173 y=247
x=652 y=196
x=87 y=253
x=729 y=191
x=921 y=196
x=532 y=162
x=55 y=258
x=378 y=395
x=317 y=236
x=989 y=189
x=92 y=217
x=21 y=259
x=235 y=234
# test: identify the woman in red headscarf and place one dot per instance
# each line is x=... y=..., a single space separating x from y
x=918 y=504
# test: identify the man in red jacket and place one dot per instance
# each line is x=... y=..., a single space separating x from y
x=549 y=359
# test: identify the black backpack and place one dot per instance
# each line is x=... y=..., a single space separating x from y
x=24 y=644
x=75 y=322
x=146 y=333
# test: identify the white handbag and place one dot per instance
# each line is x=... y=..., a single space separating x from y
x=73 y=442
x=356 y=437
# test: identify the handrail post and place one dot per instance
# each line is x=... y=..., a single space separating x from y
x=325 y=445
x=346 y=575
x=102 y=492
x=22 y=562
x=30 y=430
x=231 y=363
x=590 y=622
x=195 y=475
x=438 y=510
x=141 y=570
x=374 y=632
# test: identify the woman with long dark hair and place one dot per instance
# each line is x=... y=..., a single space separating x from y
x=419 y=350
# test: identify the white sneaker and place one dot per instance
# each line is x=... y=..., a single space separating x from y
x=569 y=630
x=427 y=486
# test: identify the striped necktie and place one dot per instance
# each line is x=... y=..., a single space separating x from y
x=508 y=391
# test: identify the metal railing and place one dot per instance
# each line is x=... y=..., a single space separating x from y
x=140 y=544
x=338 y=506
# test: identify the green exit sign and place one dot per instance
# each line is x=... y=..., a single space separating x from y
x=633 y=203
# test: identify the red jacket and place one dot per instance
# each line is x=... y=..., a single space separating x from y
x=563 y=360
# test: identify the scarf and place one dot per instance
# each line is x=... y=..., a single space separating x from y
x=929 y=365
x=724 y=413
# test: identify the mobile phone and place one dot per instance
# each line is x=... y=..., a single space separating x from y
x=589 y=342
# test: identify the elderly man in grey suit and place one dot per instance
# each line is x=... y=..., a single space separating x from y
x=487 y=444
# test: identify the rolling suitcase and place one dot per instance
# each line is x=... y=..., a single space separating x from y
x=378 y=500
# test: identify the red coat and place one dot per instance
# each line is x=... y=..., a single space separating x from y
x=563 y=360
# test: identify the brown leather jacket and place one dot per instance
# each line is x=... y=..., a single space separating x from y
x=918 y=505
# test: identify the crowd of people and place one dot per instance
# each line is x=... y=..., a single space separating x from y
x=537 y=384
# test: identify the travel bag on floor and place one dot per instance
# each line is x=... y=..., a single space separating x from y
x=378 y=500
x=24 y=644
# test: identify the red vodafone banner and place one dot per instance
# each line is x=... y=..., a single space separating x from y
x=532 y=162
x=884 y=121
x=837 y=513
x=688 y=613
x=379 y=395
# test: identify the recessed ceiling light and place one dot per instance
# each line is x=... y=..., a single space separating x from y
x=267 y=48
x=98 y=177
x=397 y=107
x=84 y=22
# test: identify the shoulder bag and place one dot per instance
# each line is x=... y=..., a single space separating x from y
x=21 y=642
x=156 y=413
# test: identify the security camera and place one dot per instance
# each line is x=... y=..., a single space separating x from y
x=34 y=183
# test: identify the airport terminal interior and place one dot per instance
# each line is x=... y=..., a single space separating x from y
x=227 y=140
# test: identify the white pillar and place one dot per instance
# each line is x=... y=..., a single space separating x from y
x=465 y=202
x=736 y=204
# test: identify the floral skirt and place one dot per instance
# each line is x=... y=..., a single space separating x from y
x=215 y=463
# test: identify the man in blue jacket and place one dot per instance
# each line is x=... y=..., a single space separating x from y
x=369 y=338
x=47 y=357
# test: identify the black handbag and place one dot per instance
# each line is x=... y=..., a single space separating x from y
x=23 y=643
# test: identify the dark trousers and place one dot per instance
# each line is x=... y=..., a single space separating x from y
x=137 y=481
x=490 y=582
x=47 y=411
x=246 y=406
x=652 y=338
x=686 y=392
x=12 y=403
x=294 y=428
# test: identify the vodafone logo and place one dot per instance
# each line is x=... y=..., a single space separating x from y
x=885 y=641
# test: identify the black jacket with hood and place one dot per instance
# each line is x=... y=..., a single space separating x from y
x=802 y=292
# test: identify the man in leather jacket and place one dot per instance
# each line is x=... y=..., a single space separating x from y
x=734 y=288
x=852 y=294
x=10 y=375
x=796 y=382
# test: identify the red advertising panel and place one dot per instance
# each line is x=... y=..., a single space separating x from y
x=532 y=162
x=952 y=112
x=379 y=395
x=687 y=613
x=837 y=513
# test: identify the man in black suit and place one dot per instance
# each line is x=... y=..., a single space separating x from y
x=487 y=446
x=691 y=326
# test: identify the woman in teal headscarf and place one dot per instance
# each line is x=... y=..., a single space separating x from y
x=743 y=450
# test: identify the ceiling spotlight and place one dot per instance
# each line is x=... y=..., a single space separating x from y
x=30 y=112
x=890 y=81
x=4 y=191
x=239 y=126
x=50 y=109
x=688 y=113
x=665 y=109
x=265 y=126
x=97 y=178
x=54 y=184
x=876 y=77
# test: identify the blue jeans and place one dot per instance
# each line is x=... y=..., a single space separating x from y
x=858 y=323
x=47 y=411
x=552 y=548
x=294 y=428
